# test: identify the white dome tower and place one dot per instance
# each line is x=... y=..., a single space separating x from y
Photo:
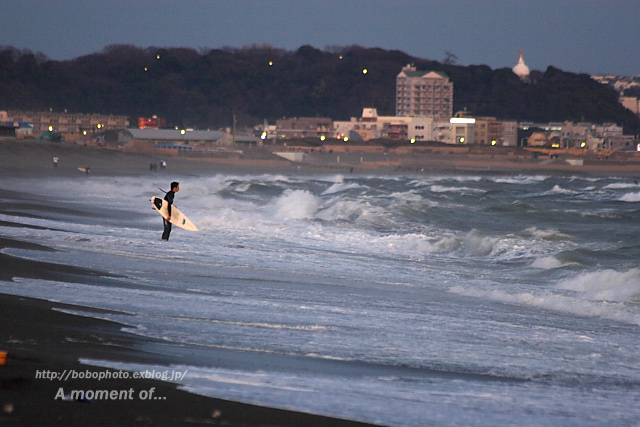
x=521 y=70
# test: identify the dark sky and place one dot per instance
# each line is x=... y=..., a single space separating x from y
x=575 y=35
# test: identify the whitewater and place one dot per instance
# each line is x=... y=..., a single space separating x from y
x=397 y=300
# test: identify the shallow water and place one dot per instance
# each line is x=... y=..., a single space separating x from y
x=394 y=300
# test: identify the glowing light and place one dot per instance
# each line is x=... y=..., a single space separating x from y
x=584 y=144
x=494 y=142
x=346 y=138
x=264 y=135
x=146 y=69
x=182 y=132
x=270 y=63
x=461 y=120
x=365 y=71
x=84 y=132
x=462 y=140
x=341 y=57
x=50 y=128
x=413 y=140
x=98 y=125
x=322 y=138
x=157 y=56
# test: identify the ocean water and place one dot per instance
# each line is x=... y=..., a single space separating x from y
x=404 y=300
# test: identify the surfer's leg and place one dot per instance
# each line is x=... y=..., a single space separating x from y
x=167 y=230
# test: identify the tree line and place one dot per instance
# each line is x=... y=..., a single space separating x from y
x=207 y=88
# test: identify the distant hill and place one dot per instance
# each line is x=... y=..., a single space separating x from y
x=204 y=89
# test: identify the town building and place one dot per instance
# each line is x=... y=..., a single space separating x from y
x=457 y=130
x=13 y=128
x=423 y=93
x=491 y=131
x=605 y=136
x=68 y=123
x=462 y=130
x=304 y=127
x=369 y=126
x=185 y=140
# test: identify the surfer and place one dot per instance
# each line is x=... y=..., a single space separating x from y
x=175 y=187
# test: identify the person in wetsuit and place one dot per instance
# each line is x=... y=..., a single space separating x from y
x=175 y=187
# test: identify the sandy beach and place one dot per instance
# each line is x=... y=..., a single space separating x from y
x=29 y=158
x=40 y=339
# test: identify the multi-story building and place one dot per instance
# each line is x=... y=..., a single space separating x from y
x=423 y=93
x=68 y=123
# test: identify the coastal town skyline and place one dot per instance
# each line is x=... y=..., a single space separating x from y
x=578 y=36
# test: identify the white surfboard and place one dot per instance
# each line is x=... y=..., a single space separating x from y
x=177 y=217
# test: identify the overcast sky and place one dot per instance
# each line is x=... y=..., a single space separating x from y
x=575 y=35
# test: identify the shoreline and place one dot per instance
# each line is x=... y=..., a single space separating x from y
x=41 y=341
x=39 y=337
x=30 y=159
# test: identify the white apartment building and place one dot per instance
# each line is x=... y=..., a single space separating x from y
x=423 y=93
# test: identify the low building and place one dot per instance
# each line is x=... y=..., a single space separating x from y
x=304 y=127
x=462 y=130
x=421 y=129
x=185 y=140
x=68 y=123
x=620 y=142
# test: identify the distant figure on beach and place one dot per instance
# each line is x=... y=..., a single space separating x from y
x=175 y=187
x=55 y=162
x=163 y=164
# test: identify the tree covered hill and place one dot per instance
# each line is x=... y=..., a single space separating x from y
x=206 y=88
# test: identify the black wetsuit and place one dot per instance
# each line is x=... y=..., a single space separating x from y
x=167 y=225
